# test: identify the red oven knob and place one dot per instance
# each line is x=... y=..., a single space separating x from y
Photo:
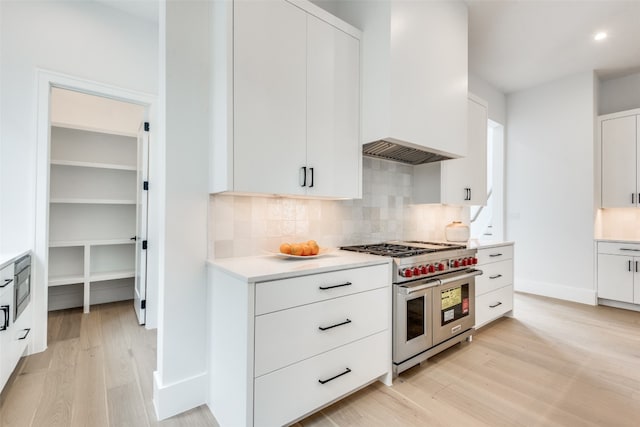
x=441 y=267
x=456 y=263
x=416 y=271
x=406 y=272
x=424 y=269
x=474 y=260
x=432 y=268
x=465 y=262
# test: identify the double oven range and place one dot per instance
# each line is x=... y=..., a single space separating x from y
x=433 y=297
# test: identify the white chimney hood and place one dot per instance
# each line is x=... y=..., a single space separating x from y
x=414 y=62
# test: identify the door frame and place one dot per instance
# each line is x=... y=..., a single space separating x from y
x=45 y=80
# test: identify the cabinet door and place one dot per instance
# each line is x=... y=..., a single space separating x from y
x=615 y=277
x=464 y=180
x=636 y=280
x=269 y=96
x=6 y=301
x=619 y=162
x=333 y=110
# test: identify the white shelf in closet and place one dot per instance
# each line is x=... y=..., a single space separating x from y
x=65 y=280
x=92 y=129
x=65 y=243
x=76 y=163
x=112 y=275
x=94 y=201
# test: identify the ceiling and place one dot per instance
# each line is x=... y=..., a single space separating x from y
x=516 y=44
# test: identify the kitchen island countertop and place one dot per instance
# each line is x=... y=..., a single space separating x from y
x=273 y=267
x=7 y=258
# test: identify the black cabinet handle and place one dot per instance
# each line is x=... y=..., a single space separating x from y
x=496 y=276
x=636 y=266
x=337 y=376
x=496 y=304
x=25 y=335
x=629 y=265
x=5 y=309
x=324 y=288
x=134 y=238
x=304 y=176
x=632 y=198
x=334 y=326
x=495 y=255
x=7 y=282
x=311 y=185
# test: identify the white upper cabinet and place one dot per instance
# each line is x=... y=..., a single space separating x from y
x=333 y=111
x=287 y=113
x=459 y=181
x=620 y=160
x=464 y=180
x=269 y=89
x=414 y=56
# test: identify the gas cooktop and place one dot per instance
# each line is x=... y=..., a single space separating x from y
x=403 y=249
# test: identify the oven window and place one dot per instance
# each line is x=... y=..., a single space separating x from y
x=454 y=304
x=415 y=318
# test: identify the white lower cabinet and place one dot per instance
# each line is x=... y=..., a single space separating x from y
x=619 y=272
x=282 y=349
x=494 y=288
x=285 y=395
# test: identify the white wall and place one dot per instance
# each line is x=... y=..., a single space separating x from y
x=496 y=99
x=83 y=39
x=549 y=187
x=619 y=94
x=180 y=380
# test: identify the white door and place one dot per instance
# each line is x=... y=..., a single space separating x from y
x=140 y=290
x=619 y=162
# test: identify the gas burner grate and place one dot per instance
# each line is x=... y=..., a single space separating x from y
x=389 y=249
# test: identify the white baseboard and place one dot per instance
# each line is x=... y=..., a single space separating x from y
x=173 y=399
x=555 y=290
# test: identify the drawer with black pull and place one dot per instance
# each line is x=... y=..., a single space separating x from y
x=494 y=276
x=493 y=304
x=287 y=336
x=494 y=254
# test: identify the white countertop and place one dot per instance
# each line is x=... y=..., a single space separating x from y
x=10 y=257
x=484 y=244
x=618 y=240
x=271 y=267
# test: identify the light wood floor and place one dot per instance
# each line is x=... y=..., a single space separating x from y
x=554 y=364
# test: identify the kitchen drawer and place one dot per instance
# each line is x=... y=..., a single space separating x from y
x=492 y=305
x=281 y=294
x=288 y=336
x=494 y=275
x=499 y=253
x=286 y=395
x=613 y=248
x=6 y=278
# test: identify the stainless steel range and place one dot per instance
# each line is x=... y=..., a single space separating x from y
x=433 y=297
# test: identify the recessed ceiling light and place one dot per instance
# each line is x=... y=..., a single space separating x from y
x=600 y=36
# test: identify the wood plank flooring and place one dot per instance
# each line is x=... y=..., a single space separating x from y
x=554 y=364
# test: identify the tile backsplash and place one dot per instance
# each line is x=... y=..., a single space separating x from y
x=252 y=225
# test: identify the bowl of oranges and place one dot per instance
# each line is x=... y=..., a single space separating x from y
x=308 y=249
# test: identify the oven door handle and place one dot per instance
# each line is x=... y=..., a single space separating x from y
x=408 y=290
x=467 y=275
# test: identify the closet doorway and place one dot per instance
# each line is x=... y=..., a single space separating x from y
x=98 y=181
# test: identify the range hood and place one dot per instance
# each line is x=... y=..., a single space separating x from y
x=414 y=77
x=397 y=151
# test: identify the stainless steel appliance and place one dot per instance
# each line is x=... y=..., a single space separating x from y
x=22 y=285
x=433 y=297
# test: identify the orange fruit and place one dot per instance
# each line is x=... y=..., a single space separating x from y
x=315 y=249
x=312 y=243
x=296 y=249
x=306 y=249
x=285 y=248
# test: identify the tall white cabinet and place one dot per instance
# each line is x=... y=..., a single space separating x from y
x=287 y=101
x=92 y=213
x=620 y=160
